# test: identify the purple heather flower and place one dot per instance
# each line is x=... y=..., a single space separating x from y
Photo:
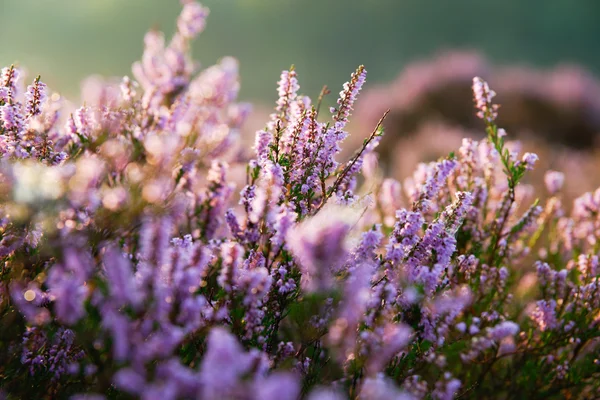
x=184 y=380
x=11 y=118
x=192 y=19
x=446 y=390
x=253 y=280
x=261 y=146
x=527 y=222
x=127 y=87
x=529 y=160
x=216 y=198
x=84 y=121
x=217 y=85
x=253 y=203
x=194 y=312
x=68 y=294
x=438 y=240
x=415 y=386
x=136 y=253
x=233 y=224
x=272 y=182
x=544 y=315
x=393 y=337
x=319 y=246
x=554 y=181
x=369 y=243
x=71 y=128
x=284 y=221
x=483 y=100
x=436 y=176
x=154 y=242
x=223 y=365
x=232 y=259
x=348 y=97
x=35 y=96
x=404 y=235
x=118 y=326
x=53 y=354
x=455 y=213
x=357 y=294
x=4 y=94
x=287 y=89
x=588 y=266
x=453 y=302
x=9 y=77
x=119 y=273
x=503 y=330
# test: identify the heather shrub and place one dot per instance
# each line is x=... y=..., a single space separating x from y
x=559 y=106
x=144 y=257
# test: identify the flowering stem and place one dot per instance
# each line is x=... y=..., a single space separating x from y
x=376 y=132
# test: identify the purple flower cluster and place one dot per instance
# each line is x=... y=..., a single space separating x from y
x=144 y=256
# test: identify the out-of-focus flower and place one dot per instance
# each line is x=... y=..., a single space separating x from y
x=554 y=181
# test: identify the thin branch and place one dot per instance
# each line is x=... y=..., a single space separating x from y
x=351 y=163
x=324 y=92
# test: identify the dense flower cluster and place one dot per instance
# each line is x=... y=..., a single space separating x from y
x=143 y=257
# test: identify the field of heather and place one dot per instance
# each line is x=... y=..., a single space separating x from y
x=426 y=238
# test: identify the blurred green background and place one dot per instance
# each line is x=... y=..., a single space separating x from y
x=67 y=40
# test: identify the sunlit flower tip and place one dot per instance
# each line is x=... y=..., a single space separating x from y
x=287 y=90
x=529 y=160
x=192 y=19
x=348 y=96
x=483 y=97
x=36 y=96
x=127 y=87
x=9 y=78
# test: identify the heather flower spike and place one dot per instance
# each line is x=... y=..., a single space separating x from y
x=484 y=96
x=143 y=255
x=348 y=97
